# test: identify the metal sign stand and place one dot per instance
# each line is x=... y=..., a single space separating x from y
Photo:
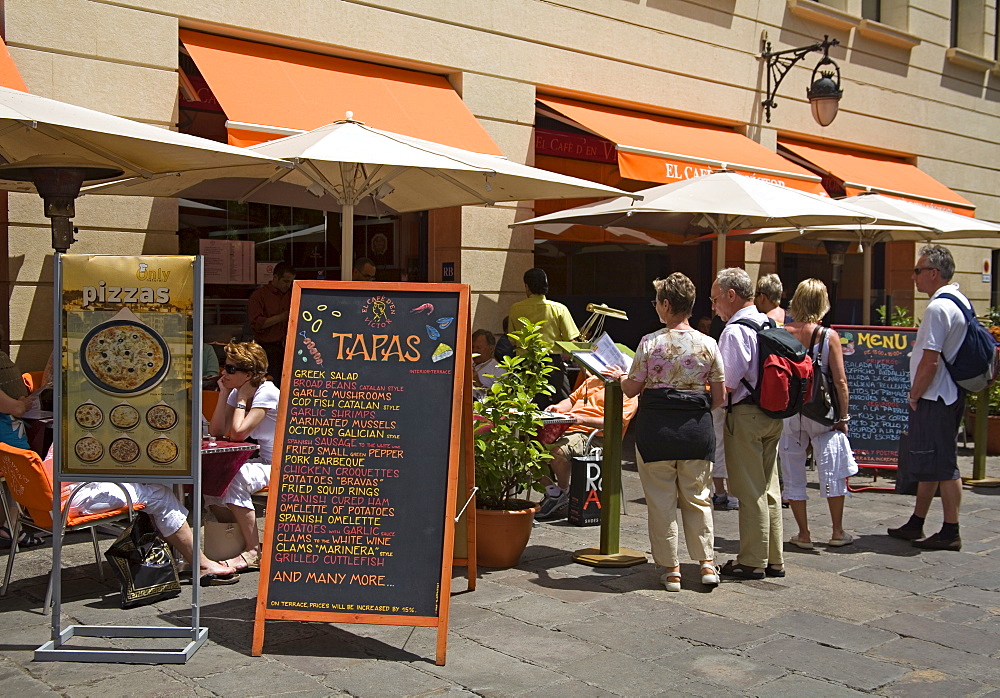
x=54 y=649
x=609 y=553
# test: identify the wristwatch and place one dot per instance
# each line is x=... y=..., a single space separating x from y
x=242 y=406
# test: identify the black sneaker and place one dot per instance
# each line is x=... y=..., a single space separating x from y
x=937 y=542
x=554 y=508
x=906 y=532
x=723 y=502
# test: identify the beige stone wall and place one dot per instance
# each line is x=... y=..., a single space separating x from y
x=695 y=58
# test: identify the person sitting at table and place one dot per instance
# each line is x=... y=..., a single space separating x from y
x=14 y=402
x=586 y=405
x=250 y=411
x=168 y=515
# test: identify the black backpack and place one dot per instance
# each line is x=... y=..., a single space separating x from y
x=975 y=365
x=784 y=371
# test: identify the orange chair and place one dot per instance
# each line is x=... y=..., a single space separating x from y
x=33 y=380
x=209 y=399
x=30 y=484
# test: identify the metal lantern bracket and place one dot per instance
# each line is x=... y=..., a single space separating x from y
x=780 y=62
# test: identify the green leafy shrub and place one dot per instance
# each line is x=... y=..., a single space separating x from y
x=509 y=458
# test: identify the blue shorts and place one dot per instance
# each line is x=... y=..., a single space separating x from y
x=934 y=440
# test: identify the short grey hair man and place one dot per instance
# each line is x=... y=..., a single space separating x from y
x=939 y=258
x=736 y=279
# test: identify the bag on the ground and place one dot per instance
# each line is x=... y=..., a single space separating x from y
x=975 y=365
x=143 y=564
x=784 y=371
x=821 y=405
x=223 y=541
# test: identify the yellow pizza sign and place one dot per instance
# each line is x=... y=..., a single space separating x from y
x=127 y=332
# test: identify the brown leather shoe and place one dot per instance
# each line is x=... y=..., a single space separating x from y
x=905 y=532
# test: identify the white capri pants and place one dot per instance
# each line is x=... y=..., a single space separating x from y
x=254 y=475
x=167 y=513
x=832 y=453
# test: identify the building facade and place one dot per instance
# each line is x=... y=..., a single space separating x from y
x=629 y=92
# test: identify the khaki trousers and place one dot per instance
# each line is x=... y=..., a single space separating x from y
x=751 y=440
x=667 y=483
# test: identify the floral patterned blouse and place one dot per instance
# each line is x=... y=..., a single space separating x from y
x=679 y=359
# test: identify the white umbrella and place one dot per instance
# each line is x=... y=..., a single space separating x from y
x=40 y=131
x=716 y=202
x=50 y=148
x=923 y=223
x=346 y=164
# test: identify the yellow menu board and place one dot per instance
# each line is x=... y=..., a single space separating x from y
x=126 y=364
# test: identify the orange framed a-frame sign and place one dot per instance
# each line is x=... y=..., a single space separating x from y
x=360 y=522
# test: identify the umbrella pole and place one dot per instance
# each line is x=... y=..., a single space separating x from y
x=720 y=250
x=866 y=294
x=347 y=242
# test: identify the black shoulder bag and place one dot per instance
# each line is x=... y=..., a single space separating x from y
x=822 y=405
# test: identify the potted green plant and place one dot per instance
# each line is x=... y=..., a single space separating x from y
x=509 y=458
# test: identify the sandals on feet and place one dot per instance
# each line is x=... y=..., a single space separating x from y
x=246 y=561
x=735 y=569
x=710 y=575
x=25 y=540
x=801 y=544
x=219 y=580
x=672 y=581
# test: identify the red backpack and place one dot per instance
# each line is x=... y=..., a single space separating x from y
x=784 y=371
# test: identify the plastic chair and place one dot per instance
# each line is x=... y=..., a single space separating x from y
x=33 y=380
x=30 y=484
x=209 y=399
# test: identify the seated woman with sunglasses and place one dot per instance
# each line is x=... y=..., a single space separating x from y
x=249 y=411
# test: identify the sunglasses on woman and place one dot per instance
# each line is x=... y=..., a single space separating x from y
x=230 y=369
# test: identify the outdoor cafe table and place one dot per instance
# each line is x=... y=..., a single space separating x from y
x=220 y=463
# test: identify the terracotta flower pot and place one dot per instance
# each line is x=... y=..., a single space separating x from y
x=501 y=536
x=992 y=431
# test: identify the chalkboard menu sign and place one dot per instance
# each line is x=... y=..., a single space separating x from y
x=366 y=457
x=877 y=361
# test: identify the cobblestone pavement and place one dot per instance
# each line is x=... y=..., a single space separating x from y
x=877 y=617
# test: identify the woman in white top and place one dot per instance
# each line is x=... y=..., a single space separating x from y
x=249 y=411
x=830 y=450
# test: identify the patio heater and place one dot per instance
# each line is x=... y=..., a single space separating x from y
x=837 y=249
x=58 y=183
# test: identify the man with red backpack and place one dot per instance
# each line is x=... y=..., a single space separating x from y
x=750 y=436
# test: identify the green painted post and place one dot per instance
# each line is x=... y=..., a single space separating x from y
x=979 y=434
x=611 y=469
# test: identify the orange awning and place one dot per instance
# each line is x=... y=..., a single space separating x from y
x=280 y=88
x=9 y=77
x=655 y=148
x=863 y=171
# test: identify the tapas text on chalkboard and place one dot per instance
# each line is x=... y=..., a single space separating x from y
x=362 y=493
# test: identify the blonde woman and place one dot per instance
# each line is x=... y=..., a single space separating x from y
x=831 y=452
x=675 y=439
x=250 y=410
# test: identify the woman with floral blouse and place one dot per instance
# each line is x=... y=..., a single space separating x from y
x=675 y=440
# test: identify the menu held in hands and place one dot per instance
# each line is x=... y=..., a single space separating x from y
x=366 y=457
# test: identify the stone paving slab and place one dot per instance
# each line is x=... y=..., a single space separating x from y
x=841 y=666
x=827 y=631
x=911 y=581
x=797 y=686
x=726 y=669
x=959 y=637
x=921 y=654
x=722 y=632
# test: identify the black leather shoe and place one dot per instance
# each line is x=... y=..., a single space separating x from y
x=905 y=532
x=936 y=542
x=772 y=571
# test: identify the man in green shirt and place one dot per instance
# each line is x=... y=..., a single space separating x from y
x=557 y=326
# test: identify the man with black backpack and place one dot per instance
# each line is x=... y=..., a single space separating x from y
x=750 y=436
x=936 y=402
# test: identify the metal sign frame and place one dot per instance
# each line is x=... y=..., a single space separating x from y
x=54 y=649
